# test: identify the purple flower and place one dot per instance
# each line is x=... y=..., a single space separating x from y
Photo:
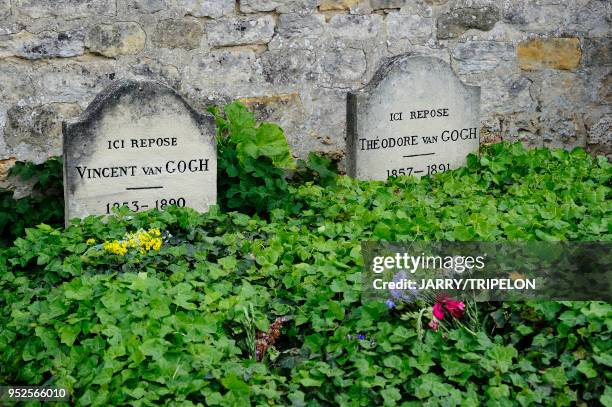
x=390 y=303
x=361 y=337
x=403 y=294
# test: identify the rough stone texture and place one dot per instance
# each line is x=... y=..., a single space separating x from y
x=286 y=110
x=116 y=39
x=241 y=31
x=63 y=52
x=281 y=6
x=184 y=33
x=597 y=52
x=384 y=4
x=331 y=5
x=555 y=53
x=599 y=139
x=454 y=23
x=34 y=130
x=404 y=30
x=5 y=166
x=207 y=8
x=47 y=44
x=148 y=6
x=5 y=11
x=69 y=9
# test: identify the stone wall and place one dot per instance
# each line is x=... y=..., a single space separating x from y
x=544 y=66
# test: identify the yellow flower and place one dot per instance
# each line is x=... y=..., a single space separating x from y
x=141 y=240
x=90 y=241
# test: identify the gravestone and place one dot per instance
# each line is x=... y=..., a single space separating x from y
x=141 y=145
x=414 y=118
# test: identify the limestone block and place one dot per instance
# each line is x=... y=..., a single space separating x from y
x=207 y=8
x=556 y=53
x=183 y=33
x=65 y=8
x=455 y=22
x=34 y=133
x=47 y=44
x=112 y=40
x=241 y=31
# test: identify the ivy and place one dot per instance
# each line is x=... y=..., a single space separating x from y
x=45 y=204
x=252 y=158
x=176 y=326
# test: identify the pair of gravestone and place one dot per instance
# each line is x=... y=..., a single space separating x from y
x=141 y=145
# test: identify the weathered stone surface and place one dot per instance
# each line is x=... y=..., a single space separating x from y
x=48 y=44
x=405 y=29
x=207 y=8
x=316 y=48
x=385 y=4
x=604 y=93
x=34 y=133
x=223 y=73
x=457 y=21
x=290 y=66
x=556 y=53
x=184 y=33
x=241 y=31
x=5 y=8
x=414 y=118
x=473 y=57
x=5 y=166
x=282 y=6
x=255 y=6
x=600 y=136
x=333 y=5
x=151 y=69
x=355 y=28
x=139 y=144
x=112 y=40
x=563 y=98
x=345 y=64
x=285 y=109
x=64 y=8
x=326 y=109
x=597 y=52
x=148 y=6
x=296 y=31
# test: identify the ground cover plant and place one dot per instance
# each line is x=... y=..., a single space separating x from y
x=231 y=308
x=44 y=205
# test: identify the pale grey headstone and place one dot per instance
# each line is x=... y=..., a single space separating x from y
x=142 y=145
x=398 y=124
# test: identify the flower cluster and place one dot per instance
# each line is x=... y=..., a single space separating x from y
x=267 y=339
x=142 y=240
x=361 y=337
x=443 y=304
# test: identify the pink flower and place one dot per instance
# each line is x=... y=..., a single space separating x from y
x=438 y=311
x=433 y=324
x=456 y=308
x=444 y=303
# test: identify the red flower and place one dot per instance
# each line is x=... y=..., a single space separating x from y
x=444 y=303
x=456 y=308
x=438 y=311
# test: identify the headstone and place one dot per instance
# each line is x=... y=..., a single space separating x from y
x=141 y=145
x=414 y=118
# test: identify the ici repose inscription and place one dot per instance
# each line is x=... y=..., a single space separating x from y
x=139 y=144
x=414 y=118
